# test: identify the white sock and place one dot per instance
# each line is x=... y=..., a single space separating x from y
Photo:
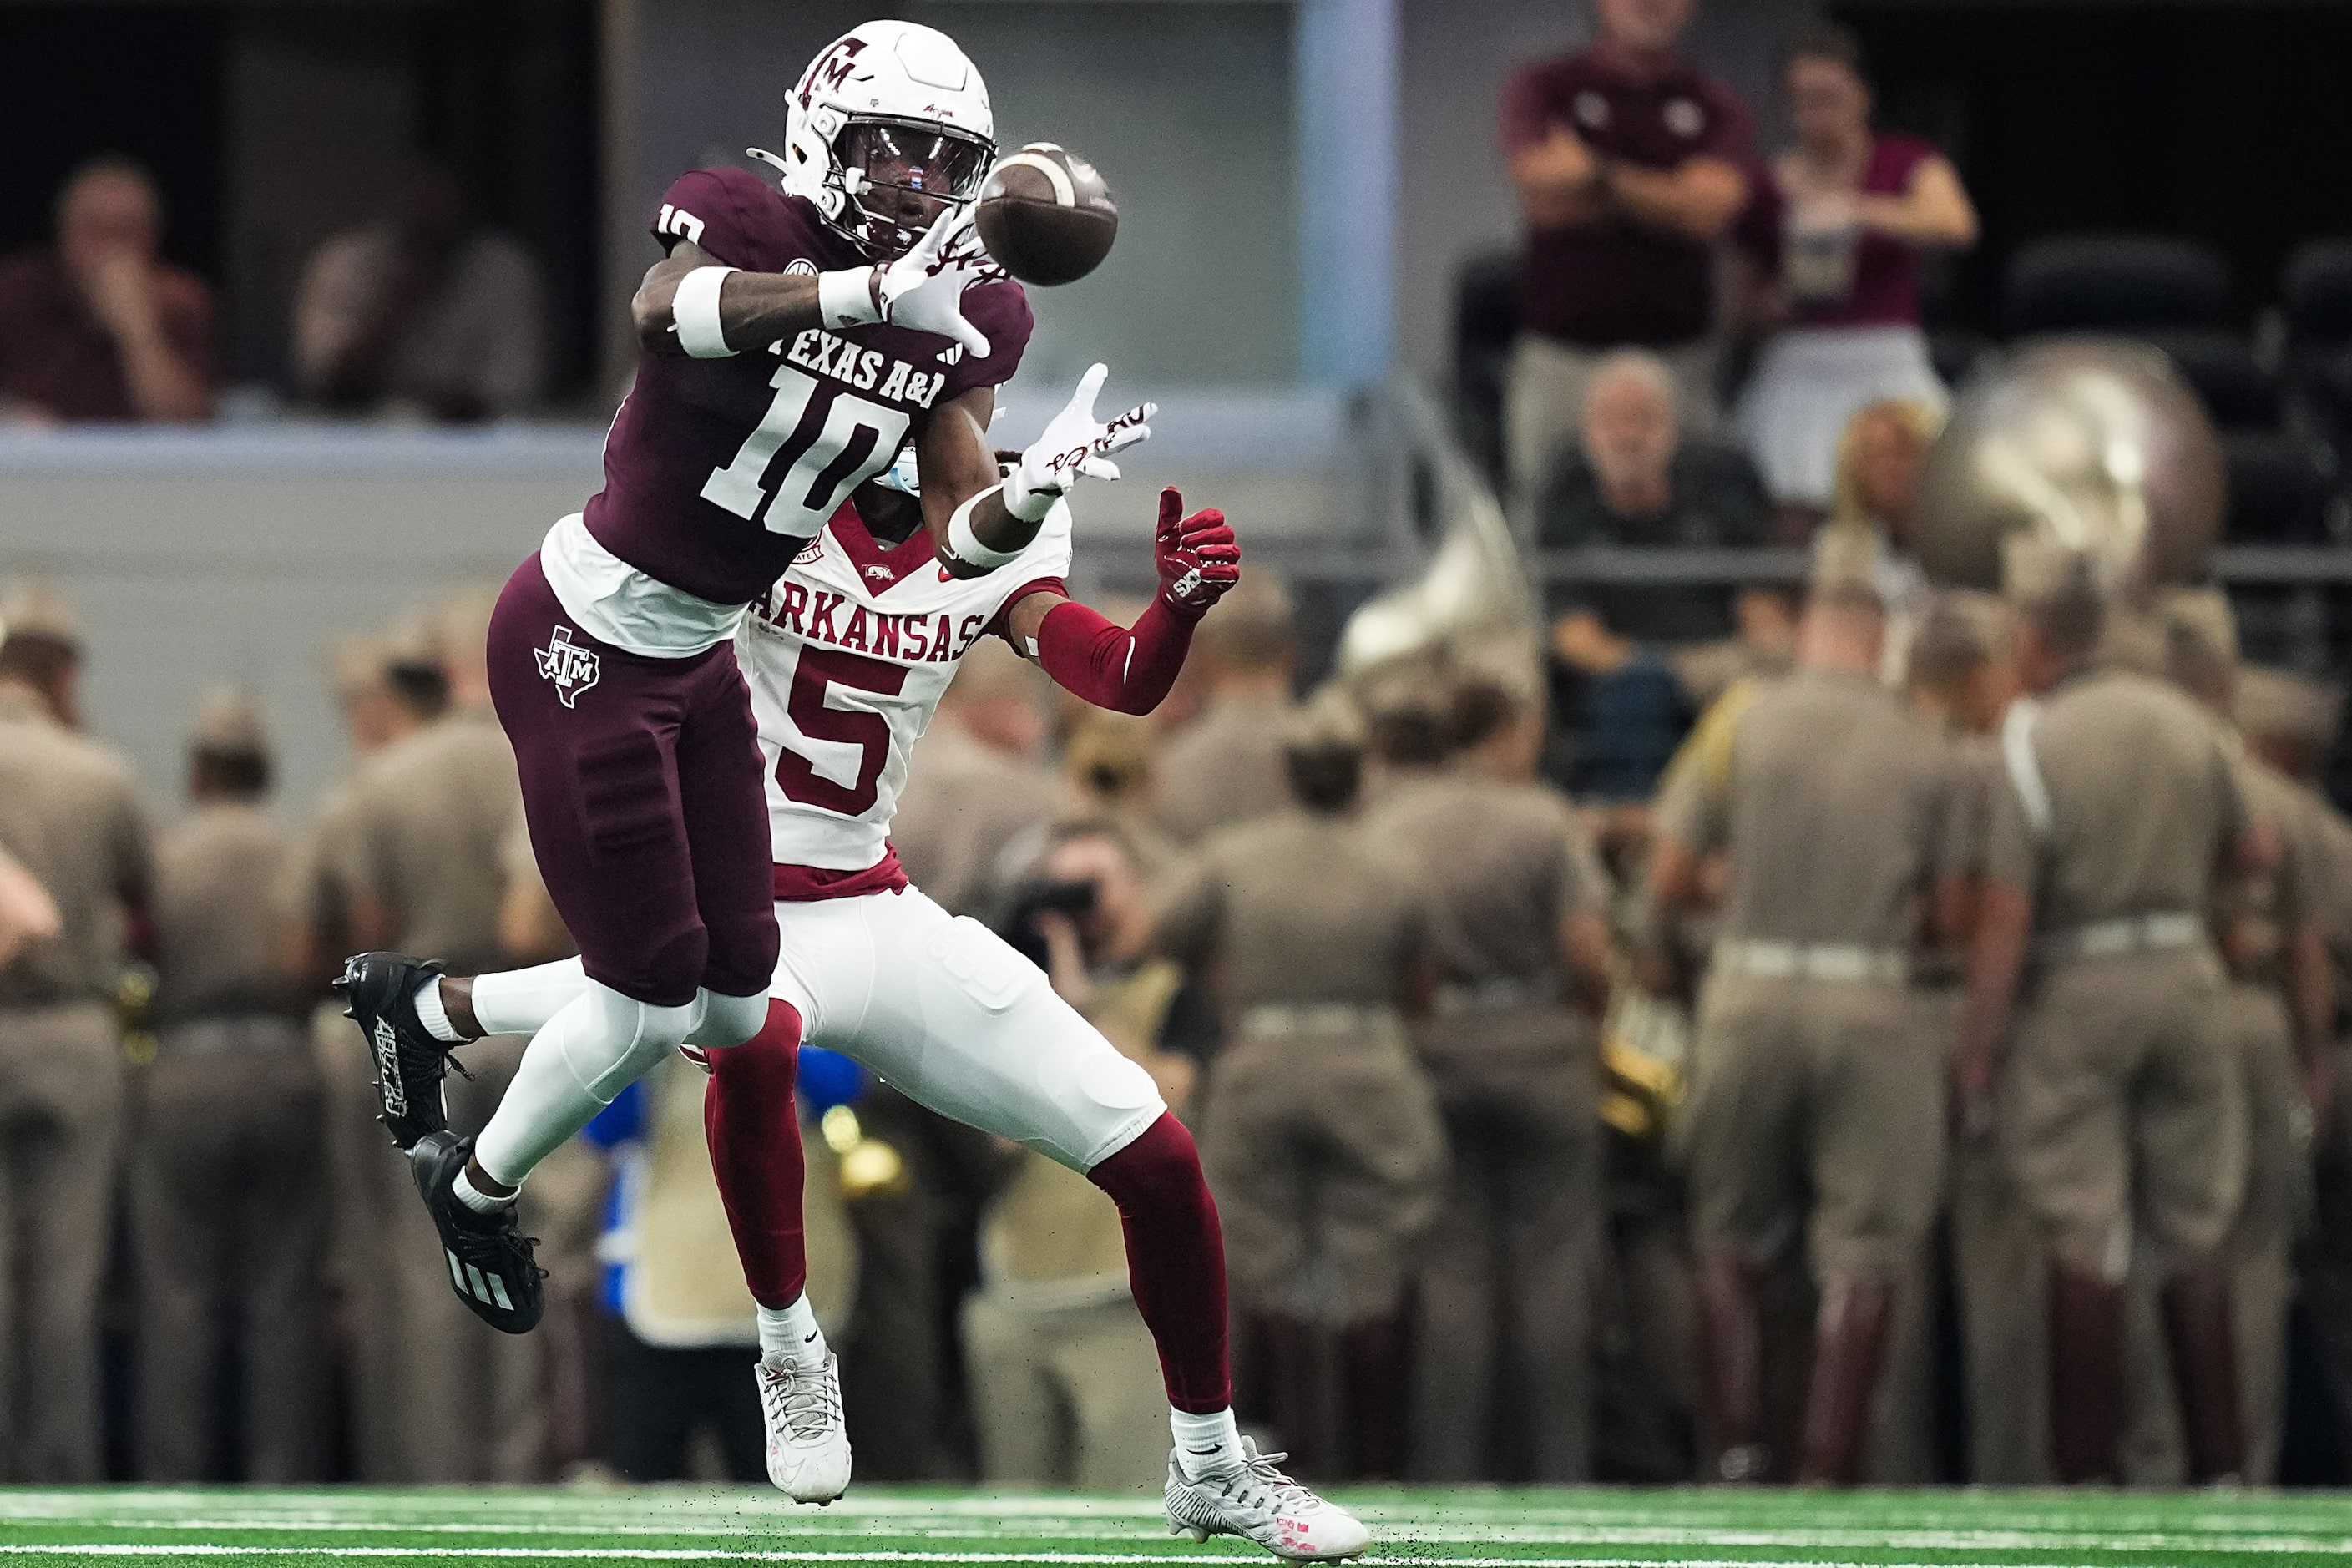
x=522 y=1001
x=598 y=1045
x=480 y=1202
x=429 y=1013
x=1205 y=1443
x=789 y=1336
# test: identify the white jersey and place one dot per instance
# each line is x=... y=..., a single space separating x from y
x=847 y=659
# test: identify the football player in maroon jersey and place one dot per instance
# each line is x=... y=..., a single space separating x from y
x=792 y=341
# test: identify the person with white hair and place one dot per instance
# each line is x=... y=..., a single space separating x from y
x=1639 y=484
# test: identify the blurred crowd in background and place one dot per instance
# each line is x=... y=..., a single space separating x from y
x=1430 y=1014
x=422 y=314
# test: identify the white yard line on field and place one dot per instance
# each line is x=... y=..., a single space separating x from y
x=1420 y=1530
x=1006 y=1559
x=1011 y=1559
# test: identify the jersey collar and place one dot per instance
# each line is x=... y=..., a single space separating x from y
x=880 y=567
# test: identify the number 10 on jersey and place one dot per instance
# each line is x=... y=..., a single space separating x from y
x=817 y=449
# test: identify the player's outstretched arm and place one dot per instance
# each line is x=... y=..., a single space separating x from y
x=748 y=303
x=695 y=305
x=1130 y=669
x=981 y=528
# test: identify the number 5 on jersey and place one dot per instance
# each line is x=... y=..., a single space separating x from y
x=816 y=672
x=818 y=447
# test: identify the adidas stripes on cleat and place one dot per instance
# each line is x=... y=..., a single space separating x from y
x=488 y=1257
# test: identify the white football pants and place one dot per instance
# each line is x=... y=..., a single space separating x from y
x=936 y=1005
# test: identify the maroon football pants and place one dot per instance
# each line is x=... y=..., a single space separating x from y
x=643 y=790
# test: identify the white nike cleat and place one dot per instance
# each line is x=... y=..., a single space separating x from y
x=1258 y=1502
x=808 y=1443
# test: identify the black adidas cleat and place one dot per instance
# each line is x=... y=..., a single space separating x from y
x=380 y=989
x=488 y=1257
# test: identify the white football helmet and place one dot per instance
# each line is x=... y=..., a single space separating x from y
x=889 y=124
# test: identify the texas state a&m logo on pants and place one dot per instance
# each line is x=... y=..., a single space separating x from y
x=574 y=668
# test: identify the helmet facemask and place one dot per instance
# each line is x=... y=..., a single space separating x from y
x=897 y=175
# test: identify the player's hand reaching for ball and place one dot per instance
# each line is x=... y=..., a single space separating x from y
x=923 y=290
x=1199 y=557
x=1075 y=444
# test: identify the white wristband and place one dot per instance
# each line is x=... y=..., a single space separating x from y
x=964 y=545
x=1028 y=505
x=845 y=298
x=695 y=309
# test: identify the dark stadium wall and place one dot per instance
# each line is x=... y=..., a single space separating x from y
x=143 y=81
x=2227 y=123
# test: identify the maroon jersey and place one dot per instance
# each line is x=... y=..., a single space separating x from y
x=1600 y=285
x=717 y=471
x=1883 y=290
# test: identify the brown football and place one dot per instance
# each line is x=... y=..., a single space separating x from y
x=1045 y=215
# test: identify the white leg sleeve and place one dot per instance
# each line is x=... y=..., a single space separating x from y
x=598 y=1045
x=962 y=1023
x=521 y=1001
x=721 y=1020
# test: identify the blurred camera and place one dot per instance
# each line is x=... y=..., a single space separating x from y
x=1038 y=897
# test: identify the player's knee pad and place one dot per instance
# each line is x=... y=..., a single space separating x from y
x=1103 y=1094
x=721 y=1020
x=622 y=1040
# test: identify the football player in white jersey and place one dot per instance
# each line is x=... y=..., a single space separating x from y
x=847 y=659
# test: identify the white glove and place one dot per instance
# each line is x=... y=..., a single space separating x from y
x=923 y=290
x=1075 y=443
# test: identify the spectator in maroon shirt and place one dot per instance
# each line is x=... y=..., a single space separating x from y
x=98 y=328
x=1859 y=208
x=1628 y=163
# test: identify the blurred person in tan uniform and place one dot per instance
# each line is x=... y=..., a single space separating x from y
x=2278 y=1016
x=1960 y=676
x=1504 y=1321
x=419 y=846
x=1320 y=1136
x=1816 y=1105
x=2104 y=1070
x=315 y=901
x=977 y=782
x=2290 y=721
x=1064 y=1379
x=69 y=815
x=1109 y=773
x=228 y=1219
x=1226 y=767
x=28 y=913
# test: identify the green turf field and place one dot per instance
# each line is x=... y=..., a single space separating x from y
x=1497 y=1528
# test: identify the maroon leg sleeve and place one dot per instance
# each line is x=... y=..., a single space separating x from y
x=754 y=1130
x=1175 y=1260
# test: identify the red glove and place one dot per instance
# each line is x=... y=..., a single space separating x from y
x=1197 y=556
x=1130 y=670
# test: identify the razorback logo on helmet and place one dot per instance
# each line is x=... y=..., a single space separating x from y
x=831 y=68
